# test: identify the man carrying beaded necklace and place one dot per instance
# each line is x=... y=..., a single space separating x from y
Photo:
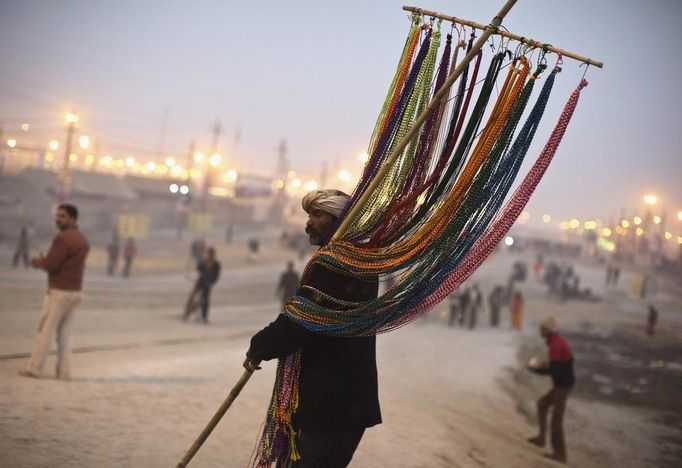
x=338 y=392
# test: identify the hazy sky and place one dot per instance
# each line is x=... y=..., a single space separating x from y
x=315 y=73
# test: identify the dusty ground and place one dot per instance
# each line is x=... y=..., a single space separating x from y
x=144 y=383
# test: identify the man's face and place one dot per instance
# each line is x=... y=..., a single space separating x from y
x=319 y=226
x=63 y=219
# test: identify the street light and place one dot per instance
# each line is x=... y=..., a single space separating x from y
x=71 y=117
x=215 y=159
x=679 y=215
x=344 y=176
x=84 y=141
x=12 y=143
x=231 y=175
x=650 y=199
x=54 y=145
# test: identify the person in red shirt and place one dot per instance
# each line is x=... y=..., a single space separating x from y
x=65 y=265
x=128 y=255
x=560 y=368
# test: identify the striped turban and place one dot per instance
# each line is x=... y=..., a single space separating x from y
x=330 y=201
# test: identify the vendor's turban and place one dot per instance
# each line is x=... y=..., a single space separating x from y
x=330 y=201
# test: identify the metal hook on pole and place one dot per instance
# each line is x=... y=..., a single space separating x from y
x=587 y=65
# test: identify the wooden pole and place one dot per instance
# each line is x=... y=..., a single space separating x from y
x=216 y=418
x=524 y=40
x=432 y=106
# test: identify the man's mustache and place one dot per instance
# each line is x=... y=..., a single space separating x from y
x=309 y=230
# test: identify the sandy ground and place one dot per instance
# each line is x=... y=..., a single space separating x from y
x=145 y=384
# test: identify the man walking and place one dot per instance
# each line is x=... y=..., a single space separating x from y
x=495 y=302
x=476 y=303
x=65 y=264
x=651 y=320
x=112 y=254
x=338 y=392
x=21 y=253
x=209 y=272
x=560 y=368
x=288 y=283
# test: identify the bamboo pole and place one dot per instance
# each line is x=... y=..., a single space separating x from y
x=524 y=40
x=432 y=106
x=216 y=418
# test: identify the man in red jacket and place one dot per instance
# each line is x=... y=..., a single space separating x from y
x=560 y=368
x=65 y=264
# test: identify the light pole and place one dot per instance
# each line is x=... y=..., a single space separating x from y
x=65 y=179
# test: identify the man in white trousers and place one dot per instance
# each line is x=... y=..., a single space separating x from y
x=64 y=263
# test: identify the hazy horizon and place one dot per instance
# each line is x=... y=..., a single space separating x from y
x=315 y=75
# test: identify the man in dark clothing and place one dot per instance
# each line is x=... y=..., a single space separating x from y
x=476 y=303
x=209 y=272
x=288 y=283
x=22 y=248
x=112 y=253
x=560 y=368
x=495 y=302
x=455 y=302
x=338 y=390
x=464 y=303
x=652 y=318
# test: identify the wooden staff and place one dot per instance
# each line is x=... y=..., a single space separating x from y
x=433 y=105
x=216 y=417
x=522 y=39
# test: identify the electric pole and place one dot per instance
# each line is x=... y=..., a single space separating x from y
x=63 y=190
x=162 y=136
x=323 y=175
x=190 y=158
x=213 y=162
x=280 y=199
x=2 y=147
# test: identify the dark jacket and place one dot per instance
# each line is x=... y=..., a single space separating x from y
x=208 y=275
x=338 y=381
